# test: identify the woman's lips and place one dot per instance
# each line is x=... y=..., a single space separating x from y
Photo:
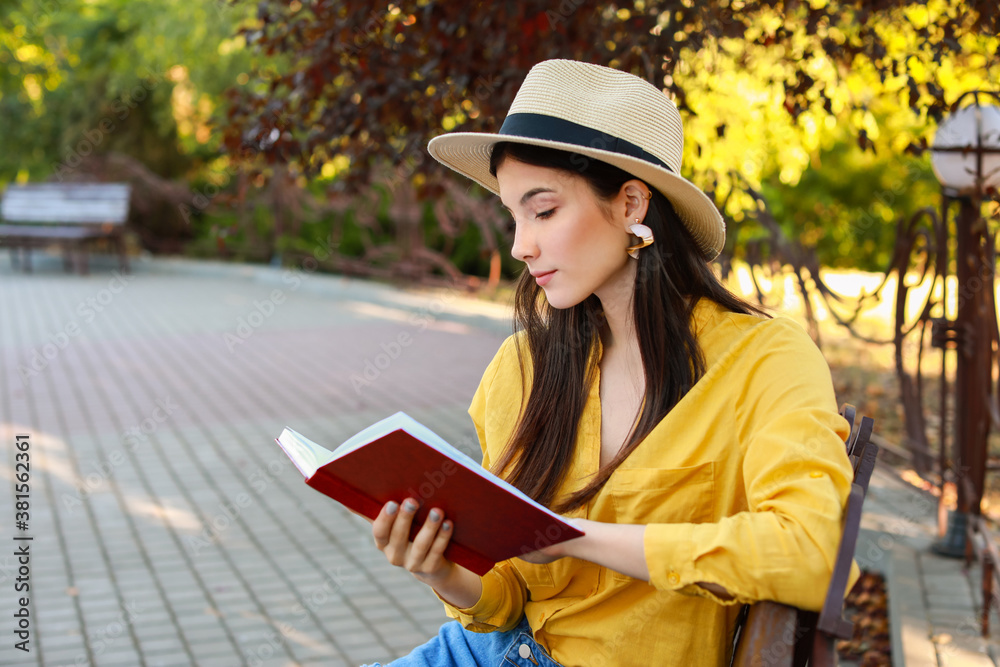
x=543 y=278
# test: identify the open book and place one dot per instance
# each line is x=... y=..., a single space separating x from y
x=398 y=458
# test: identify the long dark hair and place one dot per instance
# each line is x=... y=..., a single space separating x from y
x=672 y=275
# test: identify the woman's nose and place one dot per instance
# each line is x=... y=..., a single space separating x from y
x=524 y=247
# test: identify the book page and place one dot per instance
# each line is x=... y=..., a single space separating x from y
x=307 y=456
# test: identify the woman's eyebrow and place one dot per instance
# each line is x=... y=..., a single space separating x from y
x=528 y=195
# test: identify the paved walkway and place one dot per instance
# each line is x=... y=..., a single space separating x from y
x=166 y=527
x=934 y=602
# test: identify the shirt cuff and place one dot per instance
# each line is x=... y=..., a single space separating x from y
x=669 y=549
x=487 y=609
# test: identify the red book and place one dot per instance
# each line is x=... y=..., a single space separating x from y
x=398 y=458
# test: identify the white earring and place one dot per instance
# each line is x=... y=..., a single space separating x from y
x=644 y=233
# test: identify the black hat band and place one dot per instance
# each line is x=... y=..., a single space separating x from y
x=540 y=126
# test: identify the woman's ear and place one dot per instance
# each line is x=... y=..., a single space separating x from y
x=635 y=195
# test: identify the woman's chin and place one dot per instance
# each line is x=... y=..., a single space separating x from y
x=560 y=301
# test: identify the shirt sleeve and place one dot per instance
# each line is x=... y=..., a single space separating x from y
x=797 y=478
x=501 y=604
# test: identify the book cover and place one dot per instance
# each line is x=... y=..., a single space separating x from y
x=399 y=457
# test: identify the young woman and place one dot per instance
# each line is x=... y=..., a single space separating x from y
x=693 y=439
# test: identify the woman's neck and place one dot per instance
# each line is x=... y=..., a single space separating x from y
x=618 y=331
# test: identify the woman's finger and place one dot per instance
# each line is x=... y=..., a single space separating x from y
x=399 y=536
x=435 y=555
x=423 y=540
x=382 y=525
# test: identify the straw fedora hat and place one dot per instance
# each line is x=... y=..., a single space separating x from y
x=602 y=113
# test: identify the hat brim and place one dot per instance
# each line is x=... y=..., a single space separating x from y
x=468 y=153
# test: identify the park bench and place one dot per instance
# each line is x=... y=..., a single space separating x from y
x=770 y=634
x=71 y=214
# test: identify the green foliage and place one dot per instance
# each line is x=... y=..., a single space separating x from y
x=140 y=77
x=350 y=240
x=768 y=91
x=815 y=105
x=846 y=204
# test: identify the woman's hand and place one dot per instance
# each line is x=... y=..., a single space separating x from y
x=424 y=556
x=616 y=546
x=554 y=552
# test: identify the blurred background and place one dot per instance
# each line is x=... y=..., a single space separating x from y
x=284 y=133
x=293 y=134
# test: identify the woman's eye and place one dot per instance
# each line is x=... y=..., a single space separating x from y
x=546 y=214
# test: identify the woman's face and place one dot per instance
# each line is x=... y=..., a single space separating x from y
x=569 y=242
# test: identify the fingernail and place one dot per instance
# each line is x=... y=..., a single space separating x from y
x=435 y=515
x=410 y=506
x=391 y=508
x=446 y=525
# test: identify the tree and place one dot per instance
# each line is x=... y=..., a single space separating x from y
x=373 y=85
x=80 y=77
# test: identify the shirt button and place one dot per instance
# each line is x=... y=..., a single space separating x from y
x=674 y=578
x=524 y=651
x=815 y=475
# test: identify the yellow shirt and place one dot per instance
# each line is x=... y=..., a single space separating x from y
x=742 y=484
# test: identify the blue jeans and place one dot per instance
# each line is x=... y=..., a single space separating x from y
x=454 y=646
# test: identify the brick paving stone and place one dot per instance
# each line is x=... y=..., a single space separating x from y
x=176 y=660
x=212 y=631
x=951 y=618
x=10 y=658
x=154 y=644
x=67 y=656
x=959 y=600
x=117 y=658
x=217 y=661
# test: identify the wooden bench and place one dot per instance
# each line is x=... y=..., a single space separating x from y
x=770 y=634
x=72 y=214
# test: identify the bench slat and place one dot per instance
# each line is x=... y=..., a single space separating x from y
x=71 y=190
x=66 y=203
x=16 y=232
x=79 y=212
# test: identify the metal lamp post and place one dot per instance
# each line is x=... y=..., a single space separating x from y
x=965 y=157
